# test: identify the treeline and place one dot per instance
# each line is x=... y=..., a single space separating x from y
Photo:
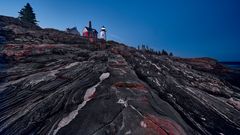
x=147 y=49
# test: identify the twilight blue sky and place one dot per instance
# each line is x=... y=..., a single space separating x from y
x=188 y=28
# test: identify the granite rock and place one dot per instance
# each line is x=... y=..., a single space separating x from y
x=71 y=88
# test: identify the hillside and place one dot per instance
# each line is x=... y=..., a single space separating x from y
x=60 y=84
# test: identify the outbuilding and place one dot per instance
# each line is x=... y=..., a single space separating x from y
x=90 y=33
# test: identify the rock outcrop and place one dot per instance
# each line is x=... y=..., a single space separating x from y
x=19 y=32
x=68 y=87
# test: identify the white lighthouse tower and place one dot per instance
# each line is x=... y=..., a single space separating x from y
x=103 y=33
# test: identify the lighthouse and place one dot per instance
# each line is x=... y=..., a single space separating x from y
x=103 y=33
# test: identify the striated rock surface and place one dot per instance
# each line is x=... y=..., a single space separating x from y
x=68 y=87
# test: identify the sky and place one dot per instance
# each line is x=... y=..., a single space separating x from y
x=188 y=28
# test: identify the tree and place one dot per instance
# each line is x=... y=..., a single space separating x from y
x=143 y=47
x=164 y=52
x=27 y=15
x=170 y=54
x=151 y=50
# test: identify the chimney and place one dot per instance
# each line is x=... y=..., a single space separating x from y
x=90 y=24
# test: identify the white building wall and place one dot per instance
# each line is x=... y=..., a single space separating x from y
x=103 y=34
